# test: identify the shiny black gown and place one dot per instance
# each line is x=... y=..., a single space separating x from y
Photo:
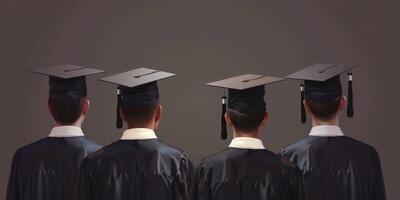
x=136 y=170
x=48 y=169
x=338 y=168
x=244 y=174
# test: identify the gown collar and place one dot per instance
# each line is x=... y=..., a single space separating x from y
x=66 y=131
x=246 y=143
x=326 y=131
x=138 y=134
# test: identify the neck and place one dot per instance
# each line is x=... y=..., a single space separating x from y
x=318 y=122
x=77 y=123
x=255 y=134
x=148 y=126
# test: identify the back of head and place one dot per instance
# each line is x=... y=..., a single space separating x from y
x=66 y=99
x=247 y=108
x=66 y=112
x=139 y=104
x=323 y=98
x=324 y=110
x=139 y=115
x=246 y=122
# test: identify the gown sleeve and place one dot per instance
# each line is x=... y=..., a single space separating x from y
x=201 y=189
x=284 y=154
x=297 y=185
x=13 y=187
x=84 y=183
x=184 y=178
x=379 y=186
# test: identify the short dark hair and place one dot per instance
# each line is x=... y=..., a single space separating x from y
x=245 y=122
x=324 y=110
x=66 y=112
x=139 y=114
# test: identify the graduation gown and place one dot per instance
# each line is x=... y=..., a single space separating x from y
x=244 y=174
x=48 y=169
x=338 y=168
x=136 y=169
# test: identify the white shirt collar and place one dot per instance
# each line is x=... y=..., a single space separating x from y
x=138 y=134
x=66 y=131
x=326 y=131
x=246 y=143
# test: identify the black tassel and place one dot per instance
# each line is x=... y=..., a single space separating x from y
x=119 y=123
x=303 y=109
x=350 y=111
x=224 y=134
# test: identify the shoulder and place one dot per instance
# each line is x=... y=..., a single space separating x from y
x=210 y=166
x=103 y=152
x=33 y=147
x=214 y=159
x=90 y=145
x=237 y=157
x=359 y=147
x=170 y=150
x=300 y=146
x=157 y=147
x=357 y=143
x=169 y=147
x=272 y=161
x=100 y=158
x=364 y=148
x=32 y=152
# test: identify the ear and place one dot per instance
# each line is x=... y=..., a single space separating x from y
x=49 y=108
x=342 y=103
x=228 y=120
x=306 y=107
x=86 y=105
x=158 y=112
x=121 y=114
x=265 y=120
x=157 y=116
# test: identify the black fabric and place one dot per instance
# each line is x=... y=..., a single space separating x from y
x=323 y=90
x=338 y=168
x=350 y=110
x=48 y=169
x=303 y=117
x=136 y=169
x=247 y=101
x=224 y=132
x=65 y=90
x=119 y=123
x=146 y=94
x=240 y=174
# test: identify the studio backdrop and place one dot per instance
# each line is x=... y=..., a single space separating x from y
x=201 y=41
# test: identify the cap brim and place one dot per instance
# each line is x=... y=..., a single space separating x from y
x=137 y=77
x=320 y=72
x=245 y=81
x=66 y=71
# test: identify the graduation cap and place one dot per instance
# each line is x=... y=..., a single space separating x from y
x=67 y=82
x=322 y=83
x=136 y=87
x=245 y=95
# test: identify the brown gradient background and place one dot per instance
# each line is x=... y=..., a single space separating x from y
x=200 y=41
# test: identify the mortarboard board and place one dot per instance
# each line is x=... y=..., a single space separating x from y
x=322 y=83
x=66 y=82
x=136 y=87
x=245 y=95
